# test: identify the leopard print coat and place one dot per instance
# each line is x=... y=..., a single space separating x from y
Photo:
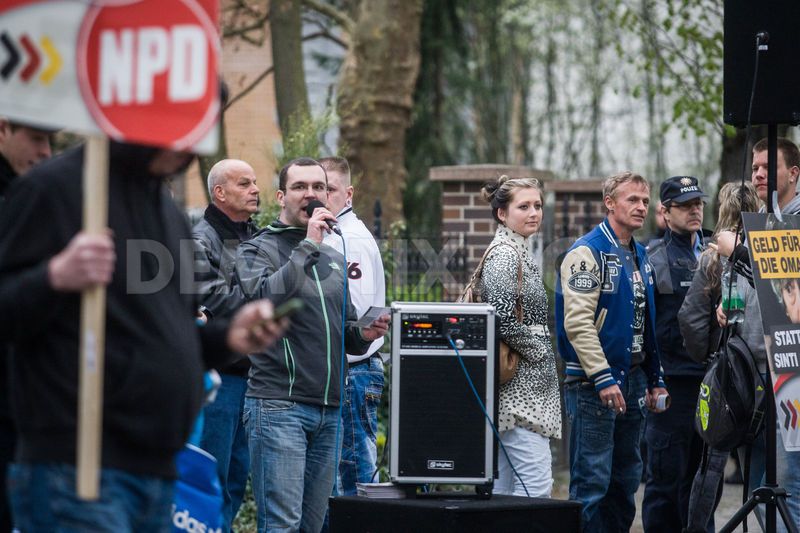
x=531 y=398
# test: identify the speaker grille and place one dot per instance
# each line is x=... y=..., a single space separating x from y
x=441 y=427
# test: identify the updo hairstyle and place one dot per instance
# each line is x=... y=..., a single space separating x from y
x=499 y=192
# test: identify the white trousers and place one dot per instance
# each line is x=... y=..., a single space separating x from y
x=530 y=454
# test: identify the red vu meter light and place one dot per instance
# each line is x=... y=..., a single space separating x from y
x=136 y=73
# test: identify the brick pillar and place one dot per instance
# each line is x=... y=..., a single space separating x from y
x=583 y=200
x=464 y=212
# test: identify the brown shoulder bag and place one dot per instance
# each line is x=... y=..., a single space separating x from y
x=508 y=358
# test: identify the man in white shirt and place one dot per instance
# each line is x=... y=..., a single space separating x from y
x=364 y=385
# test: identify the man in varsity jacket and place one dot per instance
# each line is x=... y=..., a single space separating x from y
x=605 y=324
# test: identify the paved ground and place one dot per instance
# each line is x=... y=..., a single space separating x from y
x=729 y=504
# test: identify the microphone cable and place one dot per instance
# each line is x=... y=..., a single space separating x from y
x=761 y=39
x=485 y=414
x=342 y=368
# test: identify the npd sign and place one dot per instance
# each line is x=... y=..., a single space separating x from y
x=148 y=70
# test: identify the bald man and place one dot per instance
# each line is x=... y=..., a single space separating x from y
x=226 y=222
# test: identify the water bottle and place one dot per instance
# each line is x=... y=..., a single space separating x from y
x=733 y=306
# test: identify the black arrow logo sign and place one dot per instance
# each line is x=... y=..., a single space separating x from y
x=13 y=56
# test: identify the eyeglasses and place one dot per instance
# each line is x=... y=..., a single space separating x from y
x=688 y=206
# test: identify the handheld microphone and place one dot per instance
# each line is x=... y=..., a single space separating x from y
x=314 y=204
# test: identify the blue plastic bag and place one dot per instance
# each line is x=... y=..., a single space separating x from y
x=198 y=494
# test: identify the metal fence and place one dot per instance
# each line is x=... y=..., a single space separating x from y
x=430 y=268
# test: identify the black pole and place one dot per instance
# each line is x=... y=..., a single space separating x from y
x=772 y=168
x=771 y=478
x=377 y=211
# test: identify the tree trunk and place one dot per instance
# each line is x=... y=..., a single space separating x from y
x=291 y=94
x=375 y=101
x=520 y=120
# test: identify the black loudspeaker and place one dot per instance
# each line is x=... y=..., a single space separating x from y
x=439 y=433
x=777 y=98
x=445 y=514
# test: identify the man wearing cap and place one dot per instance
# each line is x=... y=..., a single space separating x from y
x=21 y=147
x=674 y=450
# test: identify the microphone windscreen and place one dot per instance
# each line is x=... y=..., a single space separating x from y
x=313 y=204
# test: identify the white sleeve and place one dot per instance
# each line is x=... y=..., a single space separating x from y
x=365 y=278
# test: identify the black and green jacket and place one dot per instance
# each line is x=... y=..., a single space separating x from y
x=305 y=365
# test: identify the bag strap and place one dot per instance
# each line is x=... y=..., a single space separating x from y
x=478 y=272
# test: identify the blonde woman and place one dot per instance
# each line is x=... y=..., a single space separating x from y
x=530 y=408
x=697 y=318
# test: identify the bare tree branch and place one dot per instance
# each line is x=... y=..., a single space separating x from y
x=341 y=18
x=326 y=35
x=257 y=25
x=241 y=19
x=249 y=88
x=242 y=6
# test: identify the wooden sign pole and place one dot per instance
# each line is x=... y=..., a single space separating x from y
x=93 y=327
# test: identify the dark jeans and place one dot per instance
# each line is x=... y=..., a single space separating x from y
x=8 y=439
x=225 y=437
x=706 y=491
x=605 y=466
x=44 y=500
x=674 y=452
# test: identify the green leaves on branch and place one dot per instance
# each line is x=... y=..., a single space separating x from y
x=304 y=137
x=681 y=44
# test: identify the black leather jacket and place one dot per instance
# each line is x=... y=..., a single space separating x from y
x=217 y=238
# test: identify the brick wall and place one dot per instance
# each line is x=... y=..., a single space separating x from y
x=571 y=207
x=463 y=209
x=577 y=207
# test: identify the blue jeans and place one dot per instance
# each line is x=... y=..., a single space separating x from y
x=293 y=455
x=674 y=452
x=43 y=500
x=605 y=463
x=362 y=397
x=225 y=437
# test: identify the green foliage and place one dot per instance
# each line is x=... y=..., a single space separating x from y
x=474 y=56
x=247 y=519
x=682 y=47
x=304 y=138
x=267 y=212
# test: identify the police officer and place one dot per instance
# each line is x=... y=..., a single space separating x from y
x=673 y=449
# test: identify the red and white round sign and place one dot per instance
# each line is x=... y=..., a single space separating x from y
x=148 y=70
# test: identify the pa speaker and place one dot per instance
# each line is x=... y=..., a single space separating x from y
x=777 y=98
x=439 y=433
x=446 y=513
x=441 y=429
